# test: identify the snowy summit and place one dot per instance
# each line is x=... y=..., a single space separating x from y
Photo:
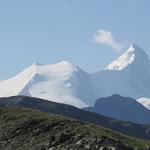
x=134 y=53
x=64 y=82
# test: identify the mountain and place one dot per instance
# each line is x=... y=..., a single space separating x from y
x=128 y=75
x=127 y=128
x=30 y=129
x=145 y=102
x=134 y=56
x=61 y=82
x=121 y=108
x=64 y=82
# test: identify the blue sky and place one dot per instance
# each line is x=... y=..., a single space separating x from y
x=89 y=33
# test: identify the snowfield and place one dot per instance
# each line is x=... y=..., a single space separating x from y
x=64 y=82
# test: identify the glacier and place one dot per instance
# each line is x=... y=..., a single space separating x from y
x=64 y=82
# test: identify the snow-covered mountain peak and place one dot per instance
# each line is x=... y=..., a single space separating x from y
x=134 y=46
x=63 y=67
x=65 y=62
x=58 y=82
x=65 y=82
x=134 y=54
x=139 y=52
x=66 y=65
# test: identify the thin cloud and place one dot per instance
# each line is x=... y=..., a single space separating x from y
x=105 y=37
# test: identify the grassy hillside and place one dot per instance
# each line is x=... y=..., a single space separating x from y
x=26 y=129
x=128 y=128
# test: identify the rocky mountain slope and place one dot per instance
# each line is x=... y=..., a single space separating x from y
x=64 y=82
x=127 y=128
x=23 y=129
x=122 y=108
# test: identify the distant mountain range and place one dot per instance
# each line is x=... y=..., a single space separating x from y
x=122 y=108
x=128 y=128
x=128 y=75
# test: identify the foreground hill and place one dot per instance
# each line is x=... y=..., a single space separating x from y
x=64 y=82
x=128 y=128
x=23 y=129
x=122 y=108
